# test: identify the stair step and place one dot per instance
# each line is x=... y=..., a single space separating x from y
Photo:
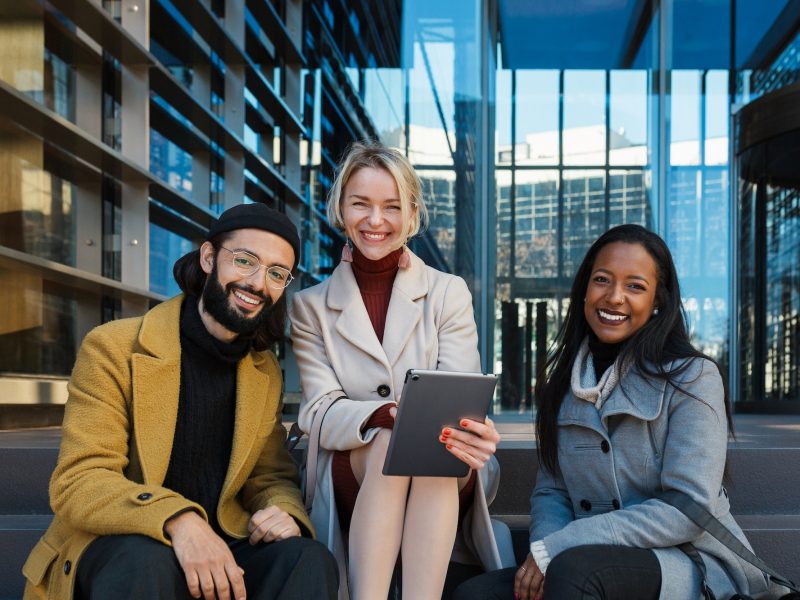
x=18 y=535
x=27 y=458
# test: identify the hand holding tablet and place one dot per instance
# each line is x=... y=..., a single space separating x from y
x=431 y=402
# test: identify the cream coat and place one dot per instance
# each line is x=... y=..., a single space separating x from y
x=117 y=440
x=429 y=325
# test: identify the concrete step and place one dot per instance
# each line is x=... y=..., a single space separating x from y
x=27 y=458
x=775 y=539
x=18 y=534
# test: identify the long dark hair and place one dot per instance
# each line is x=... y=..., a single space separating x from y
x=663 y=339
x=192 y=279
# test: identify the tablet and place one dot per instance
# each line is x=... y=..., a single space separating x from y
x=430 y=401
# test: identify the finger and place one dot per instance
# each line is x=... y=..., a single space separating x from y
x=518 y=582
x=393 y=412
x=193 y=583
x=470 y=438
x=259 y=533
x=221 y=584
x=470 y=455
x=288 y=530
x=485 y=430
x=235 y=573
x=207 y=585
x=526 y=591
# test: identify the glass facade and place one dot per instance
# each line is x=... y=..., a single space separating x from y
x=534 y=126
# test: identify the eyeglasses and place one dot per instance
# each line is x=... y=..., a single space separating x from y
x=246 y=264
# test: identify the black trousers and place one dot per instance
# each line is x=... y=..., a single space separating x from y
x=582 y=573
x=134 y=567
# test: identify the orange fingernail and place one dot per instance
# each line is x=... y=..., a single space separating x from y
x=464 y=423
x=447 y=431
x=442 y=438
x=449 y=446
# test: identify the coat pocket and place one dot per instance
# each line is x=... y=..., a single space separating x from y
x=39 y=561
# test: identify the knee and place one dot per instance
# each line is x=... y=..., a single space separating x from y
x=571 y=574
x=138 y=549
x=380 y=443
x=309 y=552
x=134 y=553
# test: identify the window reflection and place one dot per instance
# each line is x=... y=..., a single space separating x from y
x=537 y=140
x=42 y=323
x=166 y=247
x=536 y=224
x=584 y=117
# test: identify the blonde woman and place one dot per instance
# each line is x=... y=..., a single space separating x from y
x=382 y=312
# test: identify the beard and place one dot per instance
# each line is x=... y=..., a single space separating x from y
x=216 y=303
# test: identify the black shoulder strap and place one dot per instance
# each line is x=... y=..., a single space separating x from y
x=704 y=519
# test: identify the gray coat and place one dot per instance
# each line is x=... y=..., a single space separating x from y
x=647 y=437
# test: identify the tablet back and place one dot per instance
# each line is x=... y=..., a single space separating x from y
x=432 y=400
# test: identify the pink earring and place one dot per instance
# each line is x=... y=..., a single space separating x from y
x=405 y=259
x=347 y=253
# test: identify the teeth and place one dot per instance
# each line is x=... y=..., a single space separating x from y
x=244 y=298
x=611 y=317
x=374 y=236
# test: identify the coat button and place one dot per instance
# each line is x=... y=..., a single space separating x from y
x=604 y=446
x=145 y=496
x=383 y=390
x=67 y=567
x=615 y=503
x=586 y=505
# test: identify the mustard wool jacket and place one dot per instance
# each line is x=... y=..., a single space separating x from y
x=119 y=424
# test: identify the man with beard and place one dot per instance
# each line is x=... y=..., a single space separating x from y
x=173 y=480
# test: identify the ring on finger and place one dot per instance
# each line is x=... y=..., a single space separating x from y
x=523 y=569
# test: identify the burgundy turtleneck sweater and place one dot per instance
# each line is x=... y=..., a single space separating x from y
x=375 y=279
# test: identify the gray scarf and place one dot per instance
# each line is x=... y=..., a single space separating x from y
x=584 y=380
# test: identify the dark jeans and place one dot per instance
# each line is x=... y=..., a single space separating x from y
x=582 y=573
x=133 y=567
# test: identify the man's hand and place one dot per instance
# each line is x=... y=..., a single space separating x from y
x=528 y=581
x=211 y=572
x=272 y=524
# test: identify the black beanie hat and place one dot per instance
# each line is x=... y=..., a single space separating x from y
x=258 y=216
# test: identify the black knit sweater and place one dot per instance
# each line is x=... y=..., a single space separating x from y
x=603 y=355
x=201 y=448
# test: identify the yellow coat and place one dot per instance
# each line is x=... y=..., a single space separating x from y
x=118 y=429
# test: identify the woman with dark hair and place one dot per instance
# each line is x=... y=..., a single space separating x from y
x=627 y=409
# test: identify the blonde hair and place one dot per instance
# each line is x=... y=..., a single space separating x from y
x=377 y=156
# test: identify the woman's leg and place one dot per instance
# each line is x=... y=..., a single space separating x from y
x=603 y=573
x=376 y=529
x=428 y=535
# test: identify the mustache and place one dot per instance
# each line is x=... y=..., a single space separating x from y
x=246 y=288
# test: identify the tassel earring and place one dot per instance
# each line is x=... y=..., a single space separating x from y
x=347 y=253
x=405 y=259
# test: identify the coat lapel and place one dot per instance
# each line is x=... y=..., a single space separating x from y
x=353 y=323
x=252 y=387
x=404 y=313
x=156 y=388
x=637 y=395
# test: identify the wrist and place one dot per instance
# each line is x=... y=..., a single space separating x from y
x=540 y=555
x=175 y=523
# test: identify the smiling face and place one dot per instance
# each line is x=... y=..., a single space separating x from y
x=621 y=293
x=372 y=212
x=239 y=303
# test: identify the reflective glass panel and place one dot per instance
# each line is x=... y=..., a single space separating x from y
x=584 y=132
